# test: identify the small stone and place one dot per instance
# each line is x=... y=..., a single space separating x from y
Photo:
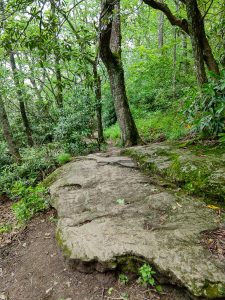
x=48 y=291
x=24 y=245
x=68 y=283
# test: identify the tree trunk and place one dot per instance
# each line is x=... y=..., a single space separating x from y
x=20 y=95
x=175 y=63
x=194 y=20
x=185 y=52
x=201 y=49
x=59 y=87
x=57 y=55
x=161 y=29
x=98 y=99
x=7 y=133
x=175 y=55
x=110 y=53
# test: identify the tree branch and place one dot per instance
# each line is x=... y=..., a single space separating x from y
x=182 y=23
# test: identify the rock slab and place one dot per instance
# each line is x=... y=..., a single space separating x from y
x=109 y=212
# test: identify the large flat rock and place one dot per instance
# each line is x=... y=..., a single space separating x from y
x=109 y=212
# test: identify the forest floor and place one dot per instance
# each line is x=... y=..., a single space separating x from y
x=33 y=268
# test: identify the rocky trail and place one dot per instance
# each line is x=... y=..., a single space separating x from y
x=113 y=218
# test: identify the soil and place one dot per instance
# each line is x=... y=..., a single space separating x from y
x=33 y=268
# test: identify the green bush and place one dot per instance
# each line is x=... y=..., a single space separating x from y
x=75 y=126
x=155 y=126
x=146 y=275
x=36 y=164
x=32 y=200
x=5 y=158
x=207 y=112
x=63 y=158
x=5 y=228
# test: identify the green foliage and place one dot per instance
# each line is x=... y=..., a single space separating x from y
x=221 y=138
x=123 y=279
x=146 y=275
x=32 y=200
x=5 y=158
x=120 y=201
x=112 y=132
x=63 y=158
x=75 y=126
x=155 y=126
x=5 y=228
x=36 y=164
x=207 y=112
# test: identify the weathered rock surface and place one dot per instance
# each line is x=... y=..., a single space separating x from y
x=110 y=214
x=198 y=174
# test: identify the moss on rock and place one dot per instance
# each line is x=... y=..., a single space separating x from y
x=65 y=249
x=50 y=179
x=201 y=175
x=214 y=290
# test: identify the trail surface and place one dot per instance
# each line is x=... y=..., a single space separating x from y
x=111 y=216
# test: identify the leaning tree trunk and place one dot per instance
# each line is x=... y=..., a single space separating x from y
x=14 y=151
x=20 y=95
x=110 y=53
x=98 y=99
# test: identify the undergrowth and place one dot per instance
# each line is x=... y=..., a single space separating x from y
x=21 y=182
x=154 y=127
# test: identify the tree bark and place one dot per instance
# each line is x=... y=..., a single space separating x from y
x=59 y=87
x=56 y=50
x=20 y=95
x=175 y=54
x=13 y=149
x=195 y=27
x=110 y=53
x=98 y=99
x=185 y=53
x=161 y=29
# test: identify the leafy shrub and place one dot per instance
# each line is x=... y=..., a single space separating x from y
x=123 y=279
x=146 y=275
x=36 y=164
x=4 y=228
x=64 y=158
x=32 y=200
x=207 y=112
x=5 y=158
x=74 y=128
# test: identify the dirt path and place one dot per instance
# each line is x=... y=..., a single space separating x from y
x=32 y=268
